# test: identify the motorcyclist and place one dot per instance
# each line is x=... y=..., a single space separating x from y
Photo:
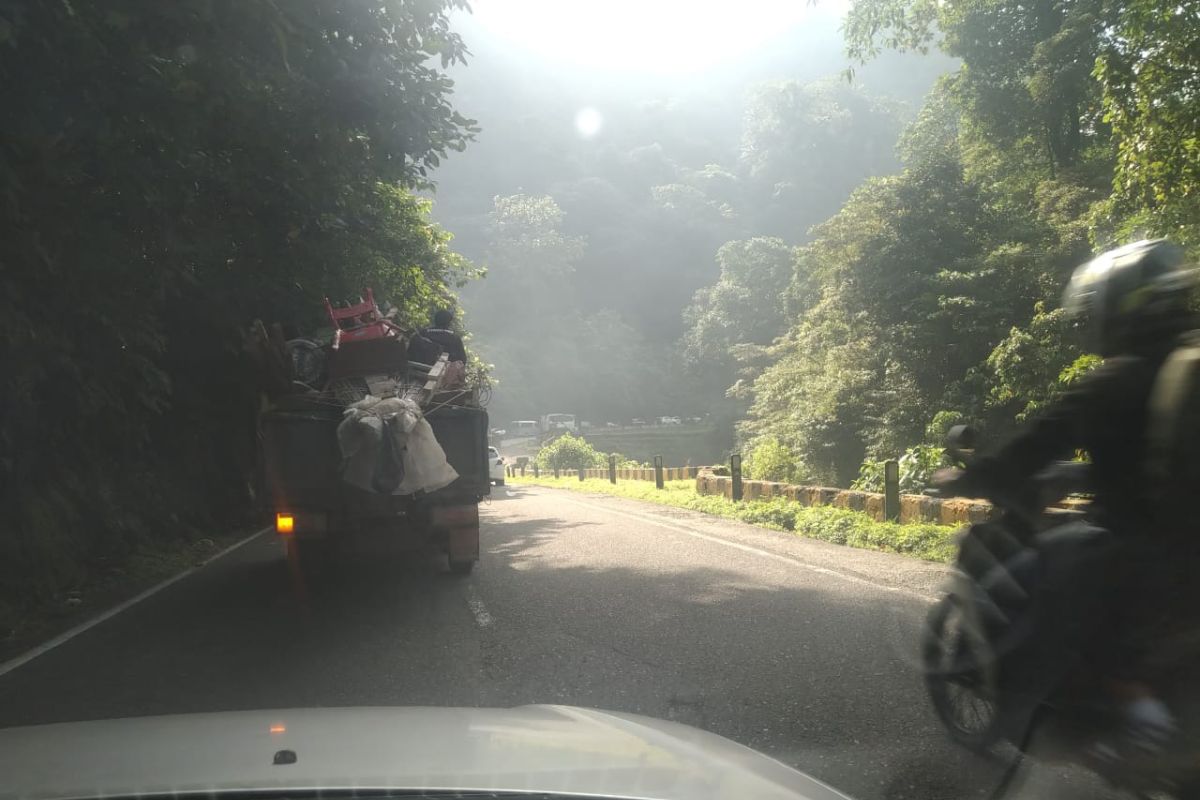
x=1109 y=574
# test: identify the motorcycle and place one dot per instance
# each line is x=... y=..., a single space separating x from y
x=974 y=648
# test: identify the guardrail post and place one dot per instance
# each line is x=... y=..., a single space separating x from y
x=612 y=469
x=658 y=472
x=891 y=491
x=735 y=475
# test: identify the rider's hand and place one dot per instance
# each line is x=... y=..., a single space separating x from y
x=949 y=481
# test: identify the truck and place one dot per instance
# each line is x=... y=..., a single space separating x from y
x=559 y=422
x=324 y=500
x=523 y=427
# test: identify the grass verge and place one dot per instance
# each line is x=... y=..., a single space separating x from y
x=924 y=540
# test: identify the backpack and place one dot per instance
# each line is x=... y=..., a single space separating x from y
x=1172 y=465
x=423 y=350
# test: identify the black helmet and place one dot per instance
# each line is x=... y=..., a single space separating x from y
x=1133 y=297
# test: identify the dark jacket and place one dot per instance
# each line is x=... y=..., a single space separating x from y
x=1104 y=413
x=450 y=342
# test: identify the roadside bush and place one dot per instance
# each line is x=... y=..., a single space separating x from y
x=570 y=452
x=771 y=460
x=929 y=541
x=917 y=466
x=939 y=427
x=629 y=463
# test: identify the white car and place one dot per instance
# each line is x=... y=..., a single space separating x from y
x=495 y=466
x=347 y=753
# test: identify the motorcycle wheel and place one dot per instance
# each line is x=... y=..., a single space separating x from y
x=957 y=676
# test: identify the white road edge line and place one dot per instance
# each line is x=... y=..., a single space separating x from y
x=482 y=618
x=673 y=526
x=68 y=635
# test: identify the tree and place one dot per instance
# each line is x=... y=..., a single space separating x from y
x=1148 y=75
x=570 y=452
x=529 y=263
x=806 y=146
x=745 y=306
x=919 y=278
x=1026 y=73
x=172 y=171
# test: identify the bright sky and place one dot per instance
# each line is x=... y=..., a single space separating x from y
x=663 y=37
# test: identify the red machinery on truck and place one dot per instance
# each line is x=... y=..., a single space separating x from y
x=365 y=442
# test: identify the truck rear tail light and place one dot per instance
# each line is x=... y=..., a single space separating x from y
x=285 y=523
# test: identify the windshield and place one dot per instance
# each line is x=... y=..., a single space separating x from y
x=602 y=354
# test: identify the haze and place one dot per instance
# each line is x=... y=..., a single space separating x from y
x=622 y=145
x=633 y=37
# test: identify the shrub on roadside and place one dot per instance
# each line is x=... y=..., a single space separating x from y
x=628 y=463
x=917 y=466
x=570 y=452
x=929 y=541
x=771 y=460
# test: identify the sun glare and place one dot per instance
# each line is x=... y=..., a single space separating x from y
x=588 y=122
x=655 y=36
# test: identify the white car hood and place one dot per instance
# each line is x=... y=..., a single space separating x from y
x=545 y=749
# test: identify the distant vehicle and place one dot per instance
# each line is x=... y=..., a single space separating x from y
x=695 y=420
x=670 y=421
x=611 y=425
x=524 y=427
x=323 y=501
x=638 y=421
x=498 y=432
x=559 y=422
x=495 y=466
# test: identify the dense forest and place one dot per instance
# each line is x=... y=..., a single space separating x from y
x=833 y=262
x=932 y=294
x=171 y=172
x=834 y=247
x=611 y=291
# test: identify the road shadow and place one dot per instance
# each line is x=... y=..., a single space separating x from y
x=787 y=662
x=821 y=675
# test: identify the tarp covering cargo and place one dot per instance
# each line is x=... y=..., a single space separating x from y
x=389 y=448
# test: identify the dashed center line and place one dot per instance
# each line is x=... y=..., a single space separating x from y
x=482 y=617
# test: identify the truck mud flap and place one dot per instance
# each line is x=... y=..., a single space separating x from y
x=461 y=524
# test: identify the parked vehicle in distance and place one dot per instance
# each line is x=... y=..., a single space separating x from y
x=638 y=421
x=524 y=427
x=498 y=432
x=559 y=422
x=611 y=425
x=495 y=466
x=670 y=421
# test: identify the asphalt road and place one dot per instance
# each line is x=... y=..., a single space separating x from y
x=803 y=650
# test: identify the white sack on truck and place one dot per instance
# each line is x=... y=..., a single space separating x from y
x=407 y=461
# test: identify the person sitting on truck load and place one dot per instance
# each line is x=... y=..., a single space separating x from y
x=440 y=334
